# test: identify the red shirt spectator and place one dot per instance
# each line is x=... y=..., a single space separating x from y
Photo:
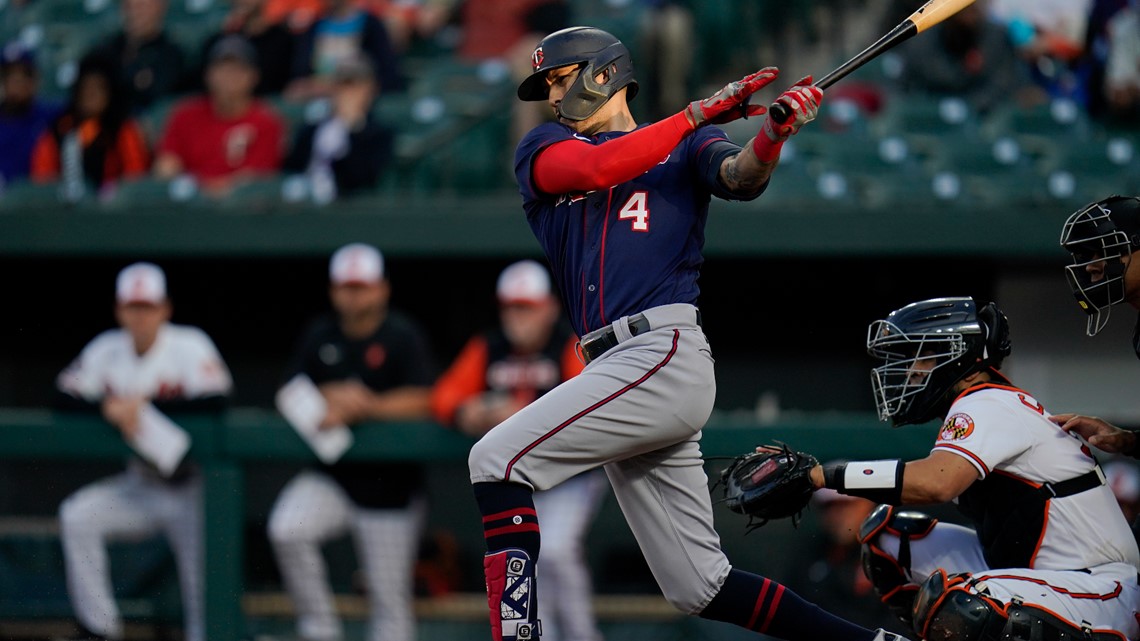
x=212 y=146
x=227 y=134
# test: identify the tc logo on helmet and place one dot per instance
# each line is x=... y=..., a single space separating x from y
x=536 y=59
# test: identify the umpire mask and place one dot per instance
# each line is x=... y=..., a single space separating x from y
x=1098 y=237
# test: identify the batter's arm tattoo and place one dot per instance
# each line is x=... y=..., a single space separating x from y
x=744 y=174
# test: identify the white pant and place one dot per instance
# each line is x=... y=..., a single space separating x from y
x=564 y=513
x=1068 y=593
x=131 y=506
x=313 y=509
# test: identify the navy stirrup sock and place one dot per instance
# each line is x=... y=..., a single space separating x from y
x=762 y=605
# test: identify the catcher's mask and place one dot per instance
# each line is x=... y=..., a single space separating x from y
x=1099 y=236
x=594 y=52
x=927 y=347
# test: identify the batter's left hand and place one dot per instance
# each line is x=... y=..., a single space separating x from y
x=731 y=102
x=802 y=99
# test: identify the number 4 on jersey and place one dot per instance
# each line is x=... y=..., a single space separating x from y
x=636 y=208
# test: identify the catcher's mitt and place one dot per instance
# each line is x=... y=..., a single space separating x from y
x=774 y=483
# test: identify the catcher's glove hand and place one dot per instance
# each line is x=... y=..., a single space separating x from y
x=771 y=483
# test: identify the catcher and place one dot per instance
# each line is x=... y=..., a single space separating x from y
x=1050 y=555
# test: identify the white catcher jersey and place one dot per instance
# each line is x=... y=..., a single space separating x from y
x=1003 y=430
x=183 y=363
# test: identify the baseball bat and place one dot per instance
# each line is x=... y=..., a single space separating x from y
x=925 y=17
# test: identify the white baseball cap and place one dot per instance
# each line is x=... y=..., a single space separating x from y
x=356 y=263
x=525 y=282
x=1124 y=479
x=141 y=283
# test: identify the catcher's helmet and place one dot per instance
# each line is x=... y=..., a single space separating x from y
x=955 y=333
x=593 y=51
x=1099 y=236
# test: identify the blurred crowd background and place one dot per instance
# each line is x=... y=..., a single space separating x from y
x=393 y=122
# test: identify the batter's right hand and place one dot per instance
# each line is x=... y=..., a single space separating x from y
x=802 y=99
x=1098 y=432
x=731 y=102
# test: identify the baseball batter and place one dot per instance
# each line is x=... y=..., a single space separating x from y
x=619 y=210
x=147 y=366
x=1050 y=554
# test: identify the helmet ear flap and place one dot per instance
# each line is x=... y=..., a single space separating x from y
x=996 y=327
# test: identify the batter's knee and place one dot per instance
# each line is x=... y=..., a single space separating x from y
x=689 y=599
x=480 y=462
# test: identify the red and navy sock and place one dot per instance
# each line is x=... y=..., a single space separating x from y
x=762 y=605
x=509 y=519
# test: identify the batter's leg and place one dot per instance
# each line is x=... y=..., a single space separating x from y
x=386 y=543
x=88 y=519
x=312 y=509
x=664 y=496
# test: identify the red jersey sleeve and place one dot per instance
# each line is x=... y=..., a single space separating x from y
x=575 y=166
x=45 y=158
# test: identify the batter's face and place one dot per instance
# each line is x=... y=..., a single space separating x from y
x=355 y=300
x=561 y=79
x=142 y=321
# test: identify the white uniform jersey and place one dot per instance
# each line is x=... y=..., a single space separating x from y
x=183 y=363
x=1003 y=430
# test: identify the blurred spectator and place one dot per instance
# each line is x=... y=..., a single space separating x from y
x=668 y=42
x=22 y=117
x=271 y=40
x=507 y=31
x=1050 y=36
x=404 y=18
x=969 y=56
x=1122 y=71
x=150 y=64
x=369 y=363
x=829 y=571
x=139 y=377
x=345 y=153
x=227 y=135
x=345 y=29
x=94 y=142
x=1097 y=51
x=499 y=372
x=1123 y=477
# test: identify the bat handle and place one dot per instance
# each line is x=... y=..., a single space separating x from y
x=779 y=113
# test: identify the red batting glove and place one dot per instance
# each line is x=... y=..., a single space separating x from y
x=731 y=102
x=803 y=100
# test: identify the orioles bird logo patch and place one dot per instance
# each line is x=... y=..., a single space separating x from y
x=956 y=428
x=536 y=58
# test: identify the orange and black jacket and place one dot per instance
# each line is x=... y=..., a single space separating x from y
x=487 y=363
x=108 y=155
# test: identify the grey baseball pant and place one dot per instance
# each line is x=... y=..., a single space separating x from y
x=638 y=410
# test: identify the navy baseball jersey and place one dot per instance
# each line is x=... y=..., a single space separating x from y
x=652 y=226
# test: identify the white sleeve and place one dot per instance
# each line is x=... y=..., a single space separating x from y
x=1122 y=69
x=85 y=377
x=983 y=431
x=207 y=374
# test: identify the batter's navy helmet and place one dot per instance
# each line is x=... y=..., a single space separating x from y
x=593 y=51
x=1099 y=236
x=958 y=335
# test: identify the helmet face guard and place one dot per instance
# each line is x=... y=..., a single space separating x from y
x=594 y=52
x=1096 y=276
x=917 y=371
